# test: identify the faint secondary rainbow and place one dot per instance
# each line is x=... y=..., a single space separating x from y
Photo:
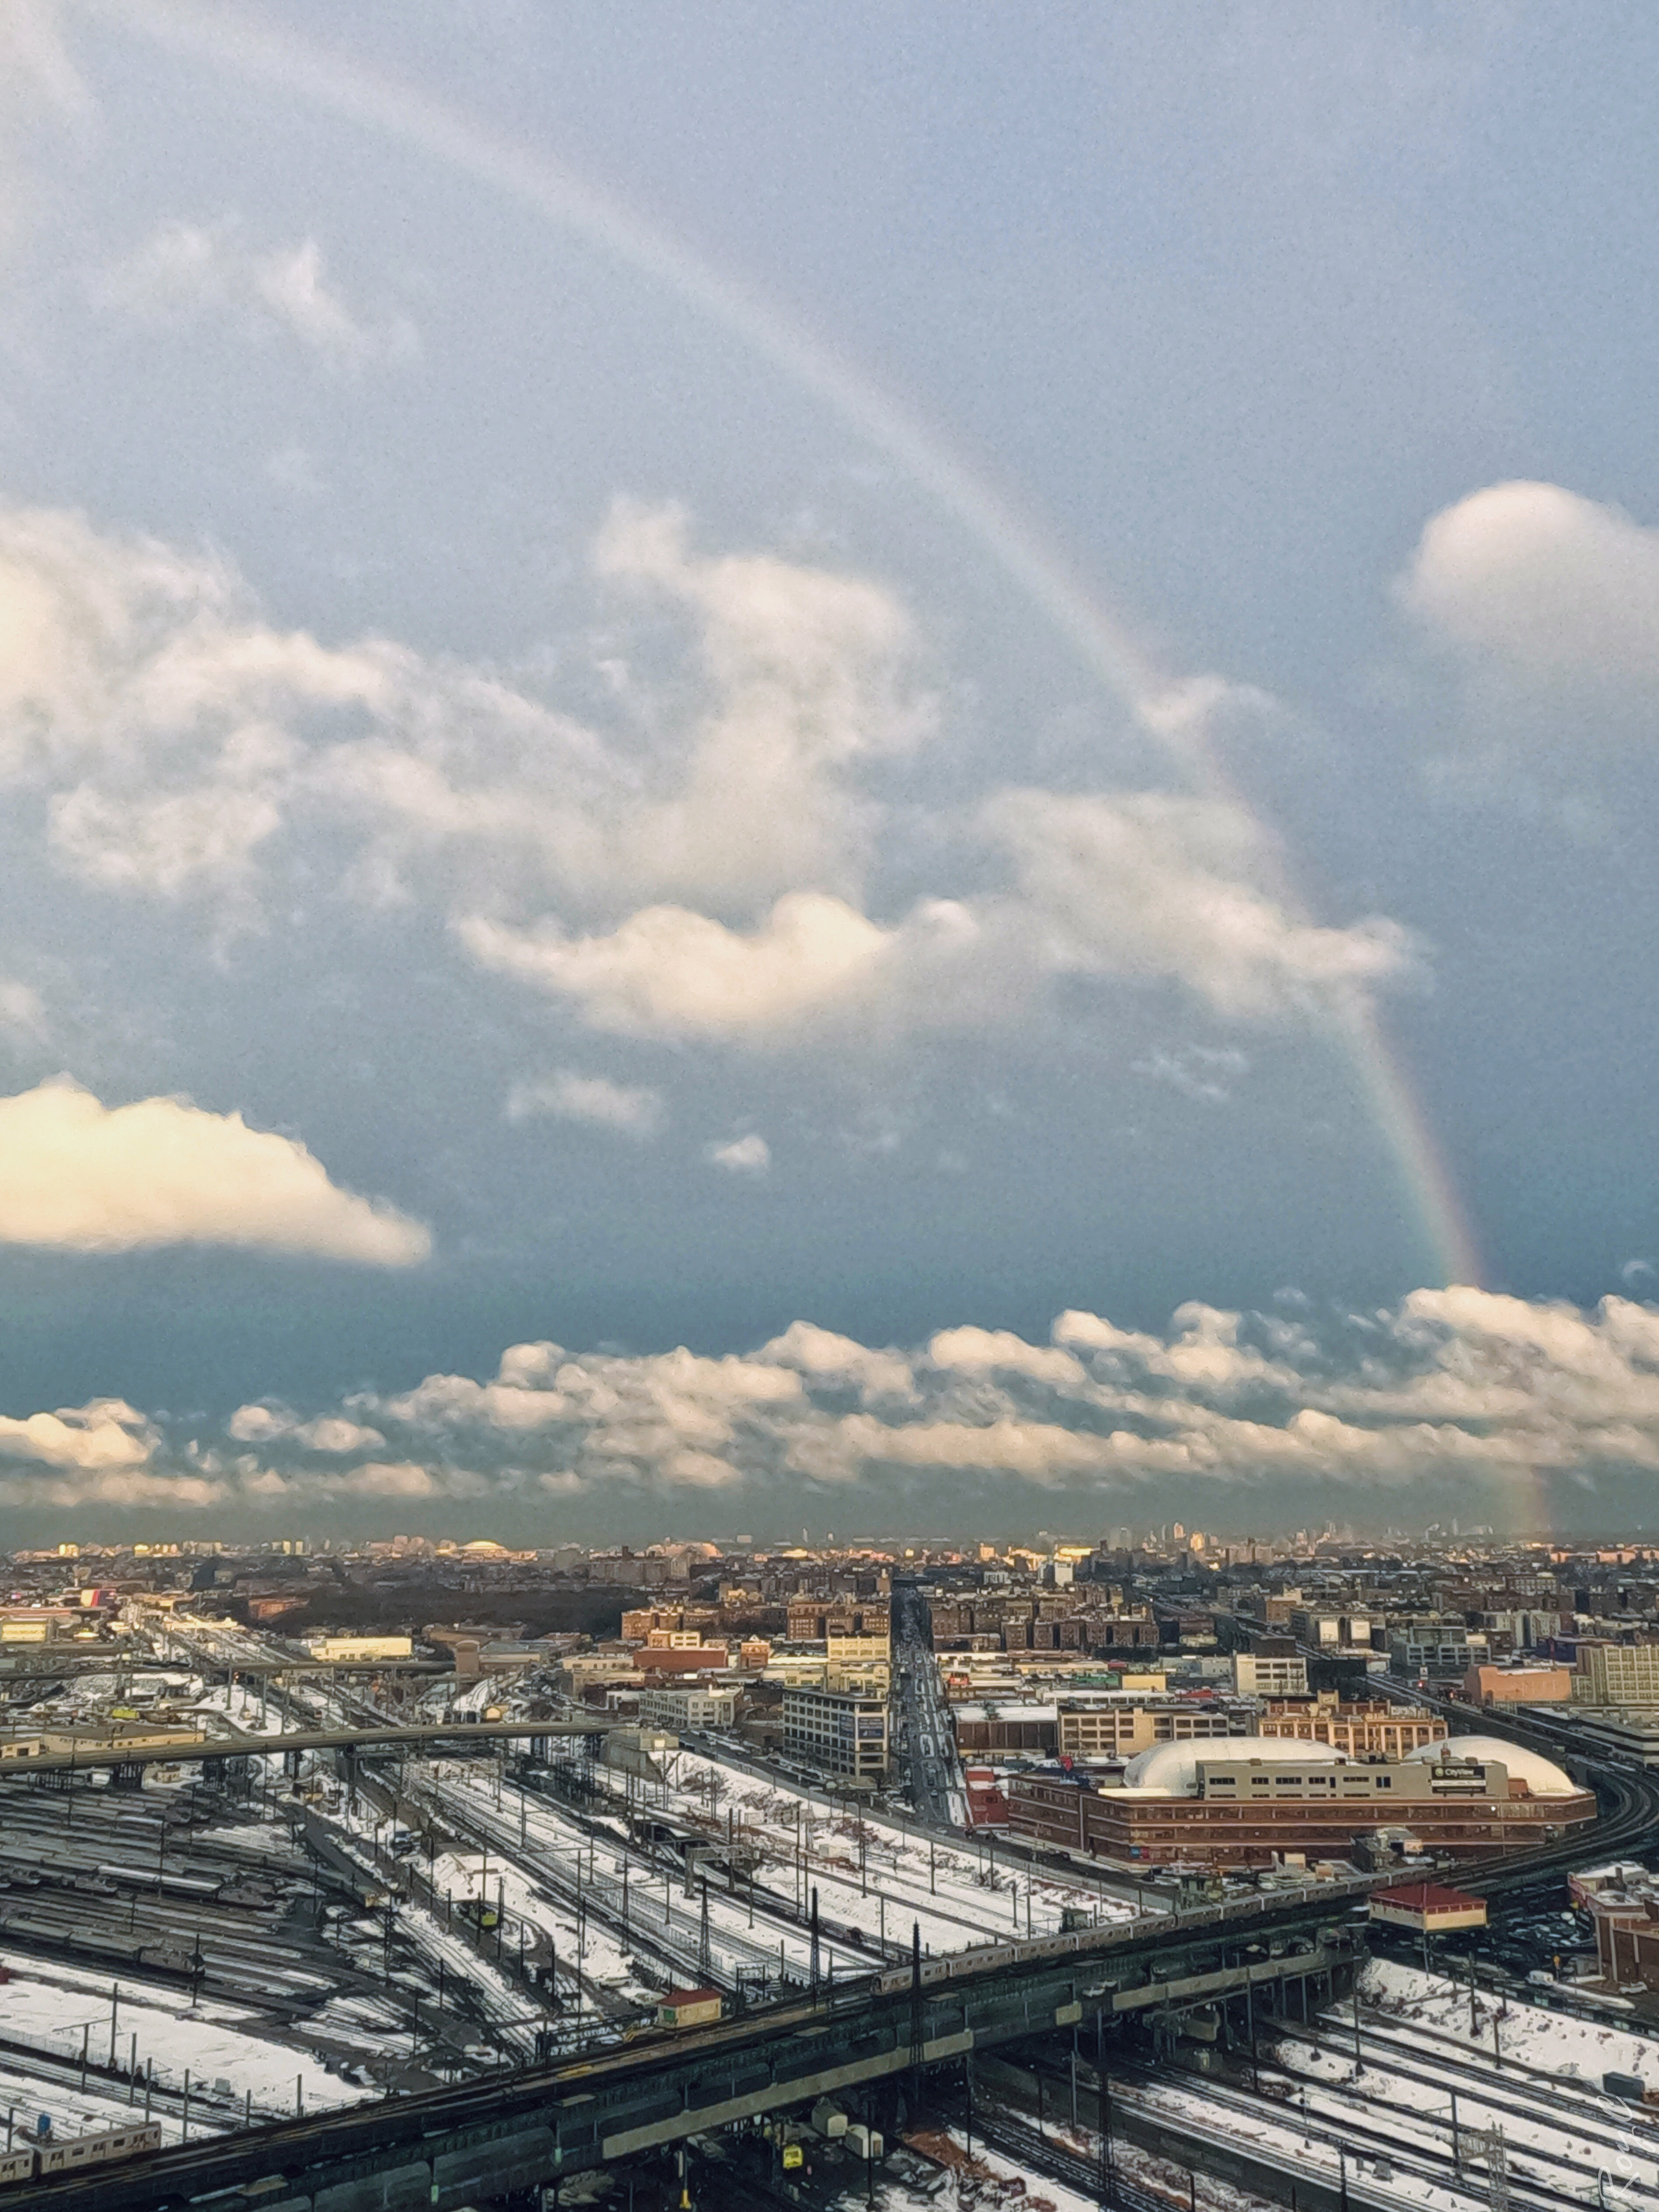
x=1161 y=704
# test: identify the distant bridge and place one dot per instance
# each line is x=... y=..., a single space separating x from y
x=152 y=1751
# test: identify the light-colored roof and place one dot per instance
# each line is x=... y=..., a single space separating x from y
x=1542 y=1776
x=1172 y=1768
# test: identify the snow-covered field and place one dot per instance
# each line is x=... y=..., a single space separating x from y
x=46 y=2007
x=1527 y=2034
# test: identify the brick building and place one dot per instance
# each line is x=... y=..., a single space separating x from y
x=1257 y=1800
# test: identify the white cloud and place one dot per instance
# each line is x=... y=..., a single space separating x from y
x=104 y=1435
x=826 y=1359
x=78 y=1176
x=1542 y=582
x=330 y=1433
x=808 y=677
x=742 y=1156
x=1149 y=884
x=1452 y=1385
x=993 y=1351
x=185 y=272
x=666 y=972
x=711 y=876
x=632 y=1109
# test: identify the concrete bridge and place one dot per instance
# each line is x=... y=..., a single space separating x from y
x=522 y=2130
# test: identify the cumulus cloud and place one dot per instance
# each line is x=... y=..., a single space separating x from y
x=1155 y=885
x=808 y=675
x=78 y=1176
x=1457 y=1384
x=742 y=1156
x=264 y=1424
x=667 y=972
x=720 y=869
x=187 y=272
x=1542 y=580
x=632 y=1109
x=106 y=1434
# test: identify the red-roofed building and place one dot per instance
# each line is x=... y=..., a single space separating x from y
x=986 y=1806
x=688 y=2008
x=1428 y=1908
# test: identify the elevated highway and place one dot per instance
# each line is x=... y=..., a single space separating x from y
x=520 y=2130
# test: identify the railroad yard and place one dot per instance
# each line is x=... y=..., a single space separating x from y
x=251 y=1933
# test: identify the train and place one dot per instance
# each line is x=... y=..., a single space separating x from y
x=35 y=2160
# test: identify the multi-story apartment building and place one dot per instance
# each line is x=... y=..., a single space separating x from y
x=1270 y=1674
x=1436 y=1651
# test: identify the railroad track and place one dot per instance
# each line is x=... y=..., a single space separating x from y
x=1355 y=2138
x=1027 y=2146
x=1547 y=2106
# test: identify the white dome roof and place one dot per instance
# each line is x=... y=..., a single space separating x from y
x=1172 y=1768
x=1542 y=1776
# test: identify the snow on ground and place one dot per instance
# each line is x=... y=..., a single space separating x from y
x=1288 y=2145
x=959 y=1893
x=1377 y=2098
x=993 y=2178
x=511 y=2012
x=47 y=2008
x=1527 y=2034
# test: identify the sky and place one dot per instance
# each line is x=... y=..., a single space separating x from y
x=869 y=769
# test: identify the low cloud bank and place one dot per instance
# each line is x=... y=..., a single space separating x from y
x=1450 y=1383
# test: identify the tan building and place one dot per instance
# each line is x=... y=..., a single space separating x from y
x=367 y=1648
x=1617 y=1675
x=1270 y=1674
x=1518 y=1685
x=1372 y=1728
x=1119 y=1731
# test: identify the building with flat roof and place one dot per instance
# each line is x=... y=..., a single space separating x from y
x=1365 y=1727
x=1428 y=1908
x=1258 y=1800
x=1270 y=1674
x=844 y=1731
x=699 y=1708
x=1518 y=1685
x=1609 y=1674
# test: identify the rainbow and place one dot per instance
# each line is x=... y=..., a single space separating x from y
x=256 y=49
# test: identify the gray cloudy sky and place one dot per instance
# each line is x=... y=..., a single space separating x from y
x=813 y=685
